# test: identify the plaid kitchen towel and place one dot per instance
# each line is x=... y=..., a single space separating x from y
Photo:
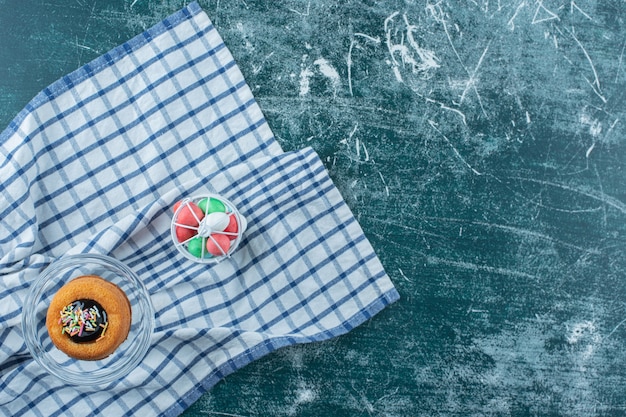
x=94 y=164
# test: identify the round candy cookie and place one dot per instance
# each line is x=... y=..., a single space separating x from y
x=207 y=228
x=89 y=318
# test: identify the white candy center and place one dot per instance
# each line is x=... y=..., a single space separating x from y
x=213 y=222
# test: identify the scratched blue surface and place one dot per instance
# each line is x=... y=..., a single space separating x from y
x=480 y=145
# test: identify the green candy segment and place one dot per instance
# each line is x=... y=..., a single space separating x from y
x=210 y=214
x=211 y=205
x=195 y=246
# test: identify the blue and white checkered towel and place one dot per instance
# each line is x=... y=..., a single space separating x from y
x=94 y=164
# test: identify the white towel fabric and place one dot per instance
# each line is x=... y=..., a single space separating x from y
x=95 y=163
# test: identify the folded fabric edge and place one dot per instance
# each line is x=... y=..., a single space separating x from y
x=85 y=71
x=270 y=345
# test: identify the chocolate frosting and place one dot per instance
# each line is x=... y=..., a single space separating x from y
x=83 y=320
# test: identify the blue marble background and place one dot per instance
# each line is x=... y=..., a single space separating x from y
x=481 y=146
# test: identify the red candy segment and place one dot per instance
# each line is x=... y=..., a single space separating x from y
x=233 y=227
x=218 y=244
x=183 y=233
x=190 y=215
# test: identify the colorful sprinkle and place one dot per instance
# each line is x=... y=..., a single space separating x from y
x=82 y=320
